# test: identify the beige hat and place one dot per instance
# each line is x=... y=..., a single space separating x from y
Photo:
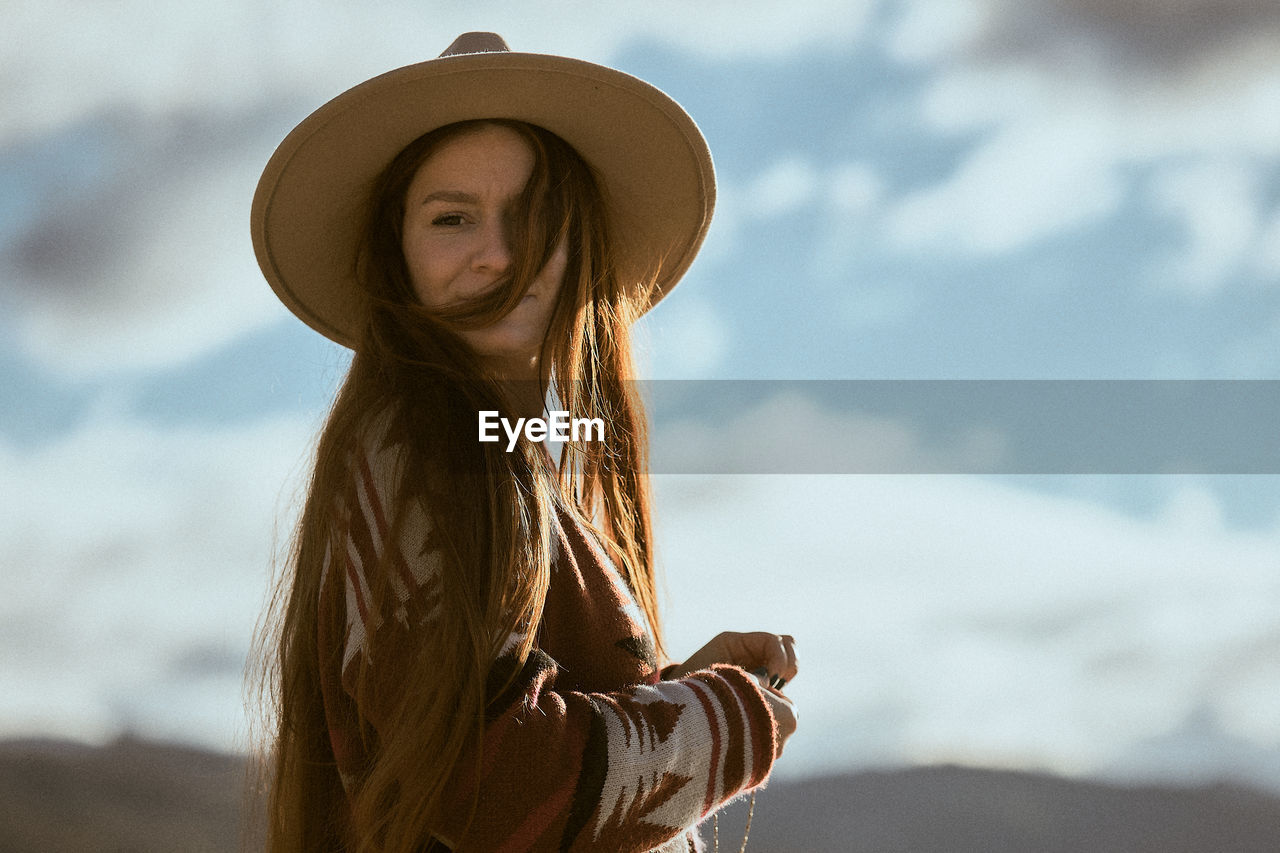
x=652 y=161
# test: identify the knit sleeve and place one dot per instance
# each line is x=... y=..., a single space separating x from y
x=634 y=769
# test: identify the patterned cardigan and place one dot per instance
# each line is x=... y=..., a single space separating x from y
x=590 y=749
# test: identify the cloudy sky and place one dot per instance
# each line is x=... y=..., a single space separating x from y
x=908 y=189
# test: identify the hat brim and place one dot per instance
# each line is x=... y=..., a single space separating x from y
x=311 y=202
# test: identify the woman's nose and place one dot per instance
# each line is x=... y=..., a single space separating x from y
x=493 y=254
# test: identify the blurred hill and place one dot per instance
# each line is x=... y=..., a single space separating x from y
x=131 y=796
x=138 y=796
x=961 y=810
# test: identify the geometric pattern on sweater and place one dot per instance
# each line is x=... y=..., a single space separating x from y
x=587 y=748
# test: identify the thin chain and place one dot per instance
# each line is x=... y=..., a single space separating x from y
x=751 y=810
x=746 y=833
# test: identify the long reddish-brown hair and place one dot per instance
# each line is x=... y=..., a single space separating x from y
x=412 y=371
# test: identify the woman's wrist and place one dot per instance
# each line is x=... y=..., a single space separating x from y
x=672 y=672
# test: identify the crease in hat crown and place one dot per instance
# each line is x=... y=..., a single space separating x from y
x=312 y=200
x=477 y=42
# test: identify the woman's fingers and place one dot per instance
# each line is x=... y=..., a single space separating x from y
x=784 y=716
x=769 y=651
x=772 y=653
x=779 y=657
x=792 y=668
x=770 y=657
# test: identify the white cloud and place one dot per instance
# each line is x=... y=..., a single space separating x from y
x=688 y=338
x=1269 y=248
x=856 y=188
x=726 y=29
x=129 y=547
x=775 y=189
x=1034 y=178
x=1193 y=509
x=1217 y=204
x=790 y=432
x=188 y=284
x=67 y=59
x=844 y=199
x=1062 y=108
x=955 y=619
x=781 y=188
x=927 y=30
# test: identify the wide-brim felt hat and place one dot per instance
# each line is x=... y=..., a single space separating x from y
x=313 y=197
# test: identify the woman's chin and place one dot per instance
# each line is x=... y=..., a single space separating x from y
x=504 y=339
x=508 y=359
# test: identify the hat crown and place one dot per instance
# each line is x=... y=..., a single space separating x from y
x=477 y=43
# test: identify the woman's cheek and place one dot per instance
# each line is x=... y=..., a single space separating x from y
x=428 y=280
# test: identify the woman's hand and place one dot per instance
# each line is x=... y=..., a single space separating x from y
x=774 y=653
x=784 y=716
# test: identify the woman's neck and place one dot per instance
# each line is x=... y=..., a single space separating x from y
x=523 y=383
x=526 y=396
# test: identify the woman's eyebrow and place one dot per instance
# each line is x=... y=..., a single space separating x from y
x=456 y=196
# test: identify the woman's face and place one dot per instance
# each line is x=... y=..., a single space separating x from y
x=456 y=242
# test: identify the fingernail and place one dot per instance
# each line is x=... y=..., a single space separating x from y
x=760 y=672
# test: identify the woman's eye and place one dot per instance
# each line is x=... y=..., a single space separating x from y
x=448 y=219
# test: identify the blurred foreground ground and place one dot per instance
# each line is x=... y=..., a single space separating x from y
x=140 y=796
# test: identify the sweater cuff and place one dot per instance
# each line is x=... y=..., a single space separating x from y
x=761 y=725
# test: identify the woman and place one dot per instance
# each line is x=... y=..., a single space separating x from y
x=468 y=653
